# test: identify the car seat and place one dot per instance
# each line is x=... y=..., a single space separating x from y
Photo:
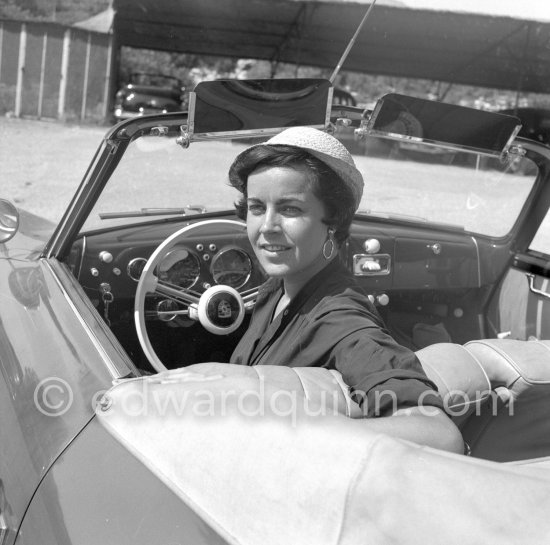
x=498 y=393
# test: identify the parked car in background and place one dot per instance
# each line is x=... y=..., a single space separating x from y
x=148 y=93
x=343 y=97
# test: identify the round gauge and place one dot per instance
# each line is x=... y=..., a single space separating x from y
x=135 y=268
x=231 y=267
x=180 y=268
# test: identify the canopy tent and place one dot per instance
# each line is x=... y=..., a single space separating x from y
x=499 y=52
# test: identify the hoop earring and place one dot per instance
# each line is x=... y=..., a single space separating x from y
x=326 y=254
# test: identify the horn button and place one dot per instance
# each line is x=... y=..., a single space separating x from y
x=220 y=309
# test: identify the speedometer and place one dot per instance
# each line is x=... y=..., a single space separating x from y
x=180 y=268
x=231 y=267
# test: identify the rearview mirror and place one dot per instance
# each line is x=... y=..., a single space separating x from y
x=401 y=117
x=9 y=220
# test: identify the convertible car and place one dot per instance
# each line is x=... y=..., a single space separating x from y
x=122 y=423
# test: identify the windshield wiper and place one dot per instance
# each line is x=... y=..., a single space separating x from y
x=407 y=217
x=392 y=215
x=198 y=208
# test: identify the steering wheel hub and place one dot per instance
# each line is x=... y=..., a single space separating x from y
x=220 y=310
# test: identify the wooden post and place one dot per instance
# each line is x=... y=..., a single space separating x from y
x=1 y=41
x=42 y=73
x=107 y=88
x=86 y=77
x=20 y=69
x=64 y=74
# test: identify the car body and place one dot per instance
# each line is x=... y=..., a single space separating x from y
x=119 y=418
x=147 y=93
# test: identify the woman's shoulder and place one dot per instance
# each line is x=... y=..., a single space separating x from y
x=346 y=297
x=341 y=284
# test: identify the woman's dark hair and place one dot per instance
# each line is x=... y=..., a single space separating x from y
x=327 y=186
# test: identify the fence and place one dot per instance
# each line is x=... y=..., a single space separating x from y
x=54 y=71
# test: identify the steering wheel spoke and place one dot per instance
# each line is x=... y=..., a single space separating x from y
x=249 y=298
x=175 y=293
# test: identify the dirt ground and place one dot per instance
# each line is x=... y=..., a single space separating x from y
x=42 y=163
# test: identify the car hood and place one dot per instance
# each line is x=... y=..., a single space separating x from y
x=261 y=464
x=31 y=237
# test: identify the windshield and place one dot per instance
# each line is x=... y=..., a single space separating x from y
x=403 y=181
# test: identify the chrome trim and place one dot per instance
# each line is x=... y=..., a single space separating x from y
x=126 y=367
x=133 y=262
x=536 y=291
x=6 y=534
x=474 y=240
x=190 y=253
x=540 y=303
x=360 y=259
x=166 y=315
x=508 y=144
x=432 y=143
x=81 y=264
x=196 y=137
x=191 y=113
x=224 y=251
x=329 y=102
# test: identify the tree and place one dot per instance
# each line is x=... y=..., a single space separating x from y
x=62 y=11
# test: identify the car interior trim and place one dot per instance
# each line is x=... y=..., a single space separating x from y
x=478 y=261
x=117 y=362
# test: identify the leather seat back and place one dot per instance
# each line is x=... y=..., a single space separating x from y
x=509 y=421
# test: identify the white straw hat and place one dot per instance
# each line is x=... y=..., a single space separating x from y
x=324 y=147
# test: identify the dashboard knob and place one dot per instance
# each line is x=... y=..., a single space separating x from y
x=371 y=246
x=371 y=298
x=106 y=257
x=435 y=248
x=382 y=299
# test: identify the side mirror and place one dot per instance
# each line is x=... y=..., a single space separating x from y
x=9 y=220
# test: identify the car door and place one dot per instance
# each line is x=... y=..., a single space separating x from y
x=520 y=305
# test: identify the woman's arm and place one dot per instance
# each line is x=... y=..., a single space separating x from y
x=424 y=425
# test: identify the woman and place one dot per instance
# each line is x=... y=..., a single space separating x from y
x=300 y=190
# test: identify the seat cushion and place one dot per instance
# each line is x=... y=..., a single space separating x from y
x=460 y=378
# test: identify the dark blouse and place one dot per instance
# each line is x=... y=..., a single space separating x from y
x=331 y=323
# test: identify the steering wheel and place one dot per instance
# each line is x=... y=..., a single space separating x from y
x=220 y=309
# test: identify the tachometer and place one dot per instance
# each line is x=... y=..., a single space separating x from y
x=231 y=267
x=179 y=267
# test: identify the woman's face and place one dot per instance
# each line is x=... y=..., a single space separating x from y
x=284 y=223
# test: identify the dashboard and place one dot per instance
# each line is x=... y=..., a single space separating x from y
x=413 y=275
